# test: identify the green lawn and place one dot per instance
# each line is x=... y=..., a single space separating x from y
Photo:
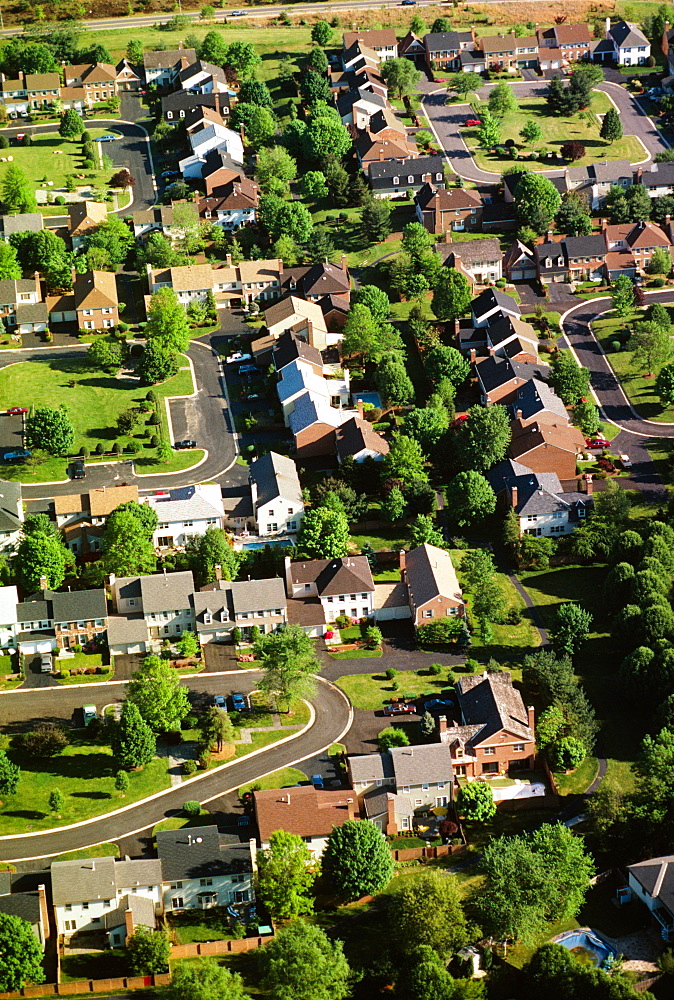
x=284 y=778
x=94 y=401
x=51 y=158
x=180 y=822
x=385 y=538
x=99 y=851
x=85 y=774
x=577 y=781
x=372 y=691
x=94 y=965
x=556 y=131
x=197 y=925
x=640 y=390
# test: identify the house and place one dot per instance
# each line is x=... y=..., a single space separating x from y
x=177 y=106
x=519 y=263
x=11 y=515
x=203 y=78
x=234 y=205
x=162 y=68
x=389 y=178
x=223 y=606
x=203 y=139
x=572 y=40
x=411 y=46
x=162 y=219
x=94 y=506
x=153 y=608
x=308 y=812
x=313 y=424
x=298 y=379
x=472 y=61
x=315 y=281
x=384 y=145
x=358 y=58
x=356 y=438
x=511 y=337
x=26 y=222
x=342 y=586
x=42 y=89
x=652 y=882
x=383 y=43
x=97 y=80
x=443 y=48
x=291 y=347
x=628 y=46
x=636 y=243
x=443 y=209
x=537 y=498
x=500 y=378
x=83 y=218
x=657 y=178
x=97 y=894
x=493 y=733
x=481 y=261
x=432 y=585
x=491 y=305
x=356 y=107
x=500 y=51
x=29 y=902
x=597 y=179
x=92 y=304
x=127 y=79
x=573 y=258
x=276 y=494
x=303 y=320
x=546 y=447
x=21 y=305
x=9 y=620
x=184 y=513
x=60 y=620
x=203 y=868
x=191 y=283
x=402 y=787
x=219 y=171
x=536 y=401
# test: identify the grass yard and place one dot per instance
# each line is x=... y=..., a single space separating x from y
x=556 y=131
x=94 y=965
x=640 y=390
x=372 y=691
x=94 y=401
x=51 y=158
x=85 y=774
x=180 y=822
x=99 y=851
x=386 y=538
x=284 y=778
x=578 y=781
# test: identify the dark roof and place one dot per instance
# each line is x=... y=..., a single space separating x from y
x=510 y=181
x=68 y=606
x=201 y=851
x=491 y=700
x=537 y=492
x=394 y=168
x=656 y=876
x=22 y=904
x=492 y=298
x=10 y=506
x=624 y=33
x=275 y=476
x=163 y=59
x=494 y=371
x=446 y=41
x=318 y=279
x=585 y=246
x=535 y=396
x=658 y=175
x=289 y=347
x=334 y=576
x=185 y=100
x=356 y=435
x=305 y=611
x=417 y=764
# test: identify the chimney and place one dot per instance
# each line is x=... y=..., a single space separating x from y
x=668 y=220
x=280 y=266
x=604 y=223
x=492 y=351
x=343 y=264
x=128 y=925
x=381 y=155
x=549 y=236
x=401 y=560
x=513 y=496
x=589 y=486
x=473 y=355
x=253 y=495
x=442 y=725
x=448 y=236
x=218 y=572
x=531 y=717
x=228 y=259
x=391 y=825
x=518 y=414
x=351 y=809
x=111 y=579
x=608 y=25
x=361 y=409
x=43 y=583
x=44 y=912
x=457 y=328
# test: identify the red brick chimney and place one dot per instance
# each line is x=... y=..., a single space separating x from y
x=442 y=725
x=128 y=925
x=589 y=485
x=531 y=717
x=391 y=825
x=218 y=572
x=361 y=409
x=514 y=496
x=473 y=355
x=549 y=236
x=401 y=560
x=518 y=414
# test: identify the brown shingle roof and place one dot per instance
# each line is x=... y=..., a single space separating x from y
x=85 y=215
x=95 y=289
x=102 y=502
x=355 y=435
x=334 y=576
x=383 y=38
x=305 y=811
x=526 y=437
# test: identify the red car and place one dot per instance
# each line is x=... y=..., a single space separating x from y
x=13 y=410
x=598 y=442
x=472 y=122
x=400 y=708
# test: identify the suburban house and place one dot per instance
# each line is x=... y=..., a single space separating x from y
x=127 y=78
x=92 y=304
x=652 y=882
x=480 y=261
x=536 y=401
x=631 y=246
x=398 y=788
x=98 y=81
x=597 y=179
x=244 y=604
x=432 y=585
x=299 y=378
x=27 y=901
x=519 y=263
x=357 y=107
x=443 y=209
x=203 y=139
x=21 y=305
x=510 y=52
x=165 y=219
x=234 y=205
x=340 y=586
x=385 y=145
x=626 y=45
x=313 y=424
x=203 y=78
x=276 y=494
x=572 y=40
x=657 y=178
x=443 y=48
x=301 y=319
x=163 y=68
x=189 y=283
x=83 y=218
x=389 y=178
x=383 y=43
x=541 y=505
x=500 y=378
x=314 y=281
x=185 y=512
x=175 y=107
x=291 y=347
x=149 y=609
x=308 y=812
x=81 y=516
x=202 y=868
x=51 y=620
x=492 y=305
x=29 y=92
x=411 y=46
x=493 y=732
x=26 y=222
x=574 y=258
x=356 y=438
x=106 y=894
x=11 y=515
x=546 y=447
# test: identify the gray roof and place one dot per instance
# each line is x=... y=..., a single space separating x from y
x=201 y=851
x=132 y=628
x=184 y=504
x=612 y=170
x=446 y=41
x=296 y=378
x=346 y=100
x=144 y=871
x=471 y=251
x=493 y=298
x=258 y=595
x=170 y=58
x=376 y=802
x=165 y=591
x=535 y=396
x=22 y=904
x=185 y=100
x=415 y=167
x=199 y=66
x=289 y=347
x=417 y=764
x=141 y=907
x=10 y=288
x=29 y=222
x=492 y=701
x=537 y=492
x=65 y=606
x=626 y=34
x=656 y=875
x=430 y=574
x=83 y=881
x=494 y=371
x=307 y=412
x=658 y=175
x=371 y=767
x=11 y=506
x=31 y=312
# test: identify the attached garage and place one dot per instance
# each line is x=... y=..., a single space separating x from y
x=523 y=273
x=63 y=316
x=34 y=647
x=127 y=636
x=391 y=602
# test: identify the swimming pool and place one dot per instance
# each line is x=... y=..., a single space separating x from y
x=368 y=397
x=586 y=945
x=261 y=545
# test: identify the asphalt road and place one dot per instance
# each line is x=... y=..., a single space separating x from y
x=332 y=719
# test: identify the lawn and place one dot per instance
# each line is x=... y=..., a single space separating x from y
x=94 y=401
x=94 y=965
x=372 y=691
x=640 y=390
x=85 y=774
x=181 y=822
x=385 y=538
x=49 y=157
x=197 y=925
x=556 y=131
x=99 y=851
x=284 y=778
x=578 y=781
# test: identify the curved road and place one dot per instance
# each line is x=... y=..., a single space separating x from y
x=333 y=717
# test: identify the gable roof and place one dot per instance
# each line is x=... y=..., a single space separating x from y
x=446 y=199
x=415 y=166
x=95 y=290
x=492 y=298
x=414 y=765
x=200 y=852
x=537 y=492
x=187 y=503
x=166 y=590
x=501 y=43
x=290 y=347
x=526 y=437
x=492 y=701
x=656 y=876
x=495 y=371
x=85 y=215
x=324 y=278
x=382 y=38
x=567 y=34
x=169 y=59
x=305 y=811
x=307 y=411
x=471 y=251
x=625 y=34
x=371 y=767
x=446 y=41
x=11 y=507
x=430 y=574
x=275 y=476
x=356 y=435
x=535 y=396
x=27 y=222
x=334 y=576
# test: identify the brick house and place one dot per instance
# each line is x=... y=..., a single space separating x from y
x=574 y=258
x=432 y=585
x=547 y=447
x=572 y=40
x=443 y=209
x=480 y=261
x=637 y=241
x=443 y=47
x=61 y=620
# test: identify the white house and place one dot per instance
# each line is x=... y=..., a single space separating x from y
x=342 y=586
x=154 y=608
x=203 y=868
x=382 y=42
x=191 y=284
x=206 y=138
x=9 y=599
x=185 y=512
x=652 y=882
x=162 y=68
x=278 y=507
x=95 y=894
x=630 y=45
x=11 y=515
x=542 y=507
x=203 y=78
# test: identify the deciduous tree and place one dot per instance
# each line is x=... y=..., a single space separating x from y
x=21 y=954
x=357 y=861
x=537 y=201
x=489 y=131
x=10 y=774
x=401 y=76
x=405 y=460
x=470 y=498
x=289 y=665
x=475 y=802
x=303 y=962
x=423 y=531
x=127 y=544
x=444 y=362
x=158 y=362
x=482 y=440
x=205 y=980
x=148 y=951
x=50 y=429
x=71 y=125
x=568 y=379
x=325 y=532
x=167 y=321
x=321 y=33
x=572 y=625
x=451 y=295
x=428 y=911
x=158 y=694
x=502 y=100
x=286 y=873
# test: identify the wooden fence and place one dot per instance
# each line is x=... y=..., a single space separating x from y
x=199 y=949
x=90 y=986
x=413 y=853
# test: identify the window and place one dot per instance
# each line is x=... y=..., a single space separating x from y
x=429 y=613
x=95 y=920
x=404 y=823
x=378 y=782
x=292 y=525
x=489 y=751
x=71 y=925
x=406 y=788
x=106 y=904
x=166 y=630
x=441 y=785
x=85 y=906
x=69 y=907
x=519 y=748
x=354 y=612
x=491 y=768
x=451 y=611
x=176 y=885
x=177 y=902
x=424 y=787
x=396 y=180
x=417 y=802
x=169 y=114
x=290 y=510
x=205 y=881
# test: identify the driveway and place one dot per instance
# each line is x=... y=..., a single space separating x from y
x=399 y=652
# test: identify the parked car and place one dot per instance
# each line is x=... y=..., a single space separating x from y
x=46 y=665
x=78 y=471
x=408 y=3
x=247 y=396
x=472 y=122
x=235 y=13
x=248 y=370
x=317 y=781
x=170 y=173
x=238 y=356
x=626 y=461
x=184 y=445
x=239 y=703
x=220 y=701
x=105 y=138
x=13 y=456
x=400 y=708
x=597 y=442
x=89 y=713
x=437 y=703
x=13 y=410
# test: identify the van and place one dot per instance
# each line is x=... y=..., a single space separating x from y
x=46 y=665
x=89 y=713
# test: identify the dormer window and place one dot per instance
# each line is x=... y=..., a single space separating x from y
x=208 y=618
x=560 y=261
x=410 y=179
x=396 y=180
x=224 y=617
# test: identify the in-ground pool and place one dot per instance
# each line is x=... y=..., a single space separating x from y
x=368 y=397
x=586 y=945
x=261 y=545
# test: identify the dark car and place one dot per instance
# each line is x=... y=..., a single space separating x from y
x=13 y=410
x=78 y=470
x=239 y=703
x=437 y=703
x=248 y=370
x=170 y=173
x=184 y=445
x=400 y=708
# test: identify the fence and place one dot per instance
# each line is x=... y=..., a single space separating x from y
x=413 y=853
x=90 y=986
x=199 y=949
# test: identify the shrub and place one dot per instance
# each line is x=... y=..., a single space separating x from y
x=435 y=669
x=191 y=808
x=4 y=142
x=189 y=767
x=59 y=200
x=658 y=282
x=615 y=346
x=390 y=674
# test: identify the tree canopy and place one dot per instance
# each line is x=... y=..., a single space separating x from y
x=289 y=665
x=303 y=962
x=286 y=873
x=21 y=954
x=357 y=860
x=156 y=690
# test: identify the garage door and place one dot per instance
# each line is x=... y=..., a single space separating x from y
x=136 y=647
x=391 y=614
x=34 y=648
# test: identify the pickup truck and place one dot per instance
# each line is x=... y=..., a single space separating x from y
x=11 y=456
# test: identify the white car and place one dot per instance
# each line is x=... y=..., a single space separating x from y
x=238 y=356
x=626 y=461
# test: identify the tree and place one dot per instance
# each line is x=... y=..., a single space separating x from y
x=475 y=802
x=243 y=57
x=441 y=24
x=122 y=783
x=531 y=131
x=40 y=554
x=255 y=92
x=277 y=163
x=114 y=237
x=568 y=379
x=188 y=644
x=324 y=533
x=572 y=625
x=57 y=801
x=638 y=203
x=611 y=126
x=289 y=665
x=312 y=185
x=318 y=61
x=321 y=33
x=376 y=300
x=134 y=50
x=660 y=262
x=217 y=728
x=586 y=416
x=43 y=251
x=427 y=425
x=572 y=150
x=325 y=136
x=286 y=873
x=537 y=201
x=148 y=951
x=428 y=911
x=482 y=440
x=158 y=362
x=623 y=296
x=405 y=460
x=50 y=429
x=470 y=498
x=289 y=218
x=106 y=354
x=357 y=861
x=45 y=741
x=10 y=774
x=133 y=742
x=156 y=690
x=71 y=126
x=167 y=321
x=375 y=218
x=208 y=551
x=9 y=264
x=651 y=345
x=127 y=547
x=502 y=100
x=664 y=385
x=452 y=295
x=423 y=531
x=489 y=132
x=462 y=84
x=302 y=961
x=573 y=217
x=258 y=122
x=446 y=363
x=17 y=190
x=401 y=76
x=364 y=335
x=393 y=382
x=204 y=980
x=21 y=954
x=568 y=754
